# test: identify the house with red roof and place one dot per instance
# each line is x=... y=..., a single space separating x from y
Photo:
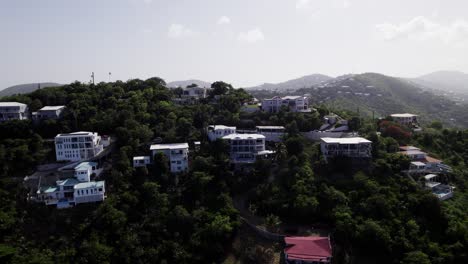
x=310 y=250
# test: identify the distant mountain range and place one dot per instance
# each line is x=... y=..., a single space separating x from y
x=380 y=95
x=186 y=83
x=26 y=88
x=302 y=82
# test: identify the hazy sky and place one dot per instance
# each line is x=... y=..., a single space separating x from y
x=245 y=42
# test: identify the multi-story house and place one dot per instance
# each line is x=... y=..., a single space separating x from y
x=272 y=133
x=355 y=147
x=48 y=112
x=176 y=153
x=405 y=119
x=423 y=163
x=246 y=148
x=141 y=161
x=293 y=103
x=13 y=111
x=219 y=131
x=85 y=170
x=89 y=192
x=77 y=146
x=72 y=191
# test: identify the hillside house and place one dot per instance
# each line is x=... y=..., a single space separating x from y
x=141 y=161
x=219 y=131
x=307 y=250
x=406 y=119
x=13 y=111
x=293 y=103
x=421 y=162
x=246 y=148
x=70 y=192
x=48 y=112
x=355 y=147
x=77 y=146
x=176 y=153
x=442 y=191
x=271 y=133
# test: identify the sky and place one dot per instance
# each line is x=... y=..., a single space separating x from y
x=243 y=42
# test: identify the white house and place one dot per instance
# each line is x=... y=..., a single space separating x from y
x=72 y=191
x=442 y=191
x=176 y=153
x=419 y=157
x=77 y=146
x=219 y=131
x=271 y=133
x=405 y=119
x=294 y=103
x=141 y=161
x=245 y=148
x=84 y=170
x=89 y=192
x=191 y=94
x=355 y=147
x=48 y=112
x=13 y=111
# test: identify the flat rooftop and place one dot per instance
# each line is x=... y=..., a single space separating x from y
x=141 y=157
x=52 y=108
x=270 y=127
x=8 y=104
x=403 y=115
x=216 y=127
x=244 y=136
x=352 y=140
x=169 y=146
x=79 y=133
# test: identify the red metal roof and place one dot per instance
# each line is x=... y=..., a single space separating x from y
x=308 y=248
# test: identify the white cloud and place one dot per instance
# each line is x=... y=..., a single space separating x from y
x=224 y=20
x=302 y=4
x=179 y=31
x=423 y=28
x=251 y=36
x=148 y=1
x=346 y=4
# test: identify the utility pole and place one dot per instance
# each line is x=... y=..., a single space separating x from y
x=92 y=77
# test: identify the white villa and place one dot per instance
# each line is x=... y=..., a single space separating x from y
x=219 y=131
x=294 y=103
x=245 y=148
x=84 y=170
x=442 y=191
x=271 y=133
x=191 y=94
x=421 y=162
x=141 y=161
x=13 y=111
x=76 y=190
x=77 y=146
x=176 y=153
x=355 y=147
x=405 y=119
x=48 y=112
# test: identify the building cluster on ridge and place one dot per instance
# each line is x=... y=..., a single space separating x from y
x=82 y=150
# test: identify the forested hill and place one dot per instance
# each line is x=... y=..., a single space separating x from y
x=384 y=95
x=302 y=82
x=377 y=215
x=25 y=88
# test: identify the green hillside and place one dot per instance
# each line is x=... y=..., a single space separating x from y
x=384 y=95
x=25 y=88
